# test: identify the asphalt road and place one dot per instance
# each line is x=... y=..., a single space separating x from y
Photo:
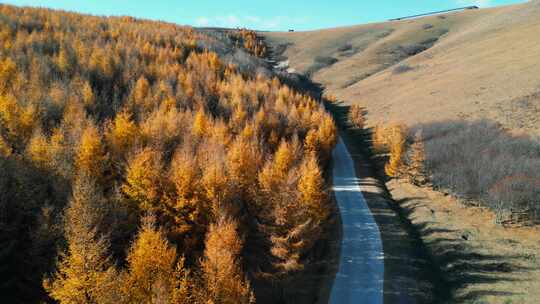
x=360 y=277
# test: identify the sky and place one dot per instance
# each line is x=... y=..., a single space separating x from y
x=273 y=15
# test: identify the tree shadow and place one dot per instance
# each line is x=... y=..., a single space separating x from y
x=462 y=265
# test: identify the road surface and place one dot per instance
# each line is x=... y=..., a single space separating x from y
x=360 y=277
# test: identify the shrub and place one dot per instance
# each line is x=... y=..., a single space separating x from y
x=402 y=68
x=346 y=47
x=396 y=139
x=321 y=62
x=382 y=137
x=429 y=42
x=356 y=116
x=480 y=161
x=377 y=139
x=412 y=49
x=326 y=61
x=427 y=26
x=415 y=159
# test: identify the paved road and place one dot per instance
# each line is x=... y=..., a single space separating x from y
x=361 y=271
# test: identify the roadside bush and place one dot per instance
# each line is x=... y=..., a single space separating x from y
x=356 y=116
x=415 y=160
x=391 y=140
x=383 y=136
x=396 y=141
x=427 y=26
x=402 y=68
x=481 y=161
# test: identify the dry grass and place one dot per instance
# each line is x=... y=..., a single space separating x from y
x=481 y=261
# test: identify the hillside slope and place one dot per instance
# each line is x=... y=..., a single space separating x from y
x=466 y=65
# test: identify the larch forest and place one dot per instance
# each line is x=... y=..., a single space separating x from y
x=146 y=162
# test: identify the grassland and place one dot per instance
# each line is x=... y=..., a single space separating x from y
x=466 y=65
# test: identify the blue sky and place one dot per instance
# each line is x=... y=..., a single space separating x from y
x=261 y=15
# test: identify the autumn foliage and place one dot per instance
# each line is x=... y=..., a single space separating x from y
x=249 y=40
x=392 y=140
x=155 y=168
x=356 y=116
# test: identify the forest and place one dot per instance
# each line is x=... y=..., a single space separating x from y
x=140 y=162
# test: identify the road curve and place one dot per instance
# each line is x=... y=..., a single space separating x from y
x=360 y=276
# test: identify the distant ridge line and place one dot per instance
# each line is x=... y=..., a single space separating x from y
x=438 y=12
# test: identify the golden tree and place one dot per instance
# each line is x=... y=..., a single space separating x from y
x=8 y=70
x=327 y=135
x=216 y=186
x=123 y=134
x=356 y=116
x=201 y=124
x=38 y=151
x=144 y=181
x=189 y=210
x=91 y=158
x=225 y=282
x=151 y=266
x=311 y=189
x=396 y=140
x=88 y=97
x=64 y=61
x=243 y=164
x=141 y=95
x=284 y=158
x=311 y=143
x=277 y=183
x=18 y=120
x=85 y=273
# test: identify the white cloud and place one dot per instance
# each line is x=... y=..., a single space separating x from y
x=480 y=3
x=254 y=22
x=202 y=21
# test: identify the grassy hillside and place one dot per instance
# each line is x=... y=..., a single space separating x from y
x=472 y=64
